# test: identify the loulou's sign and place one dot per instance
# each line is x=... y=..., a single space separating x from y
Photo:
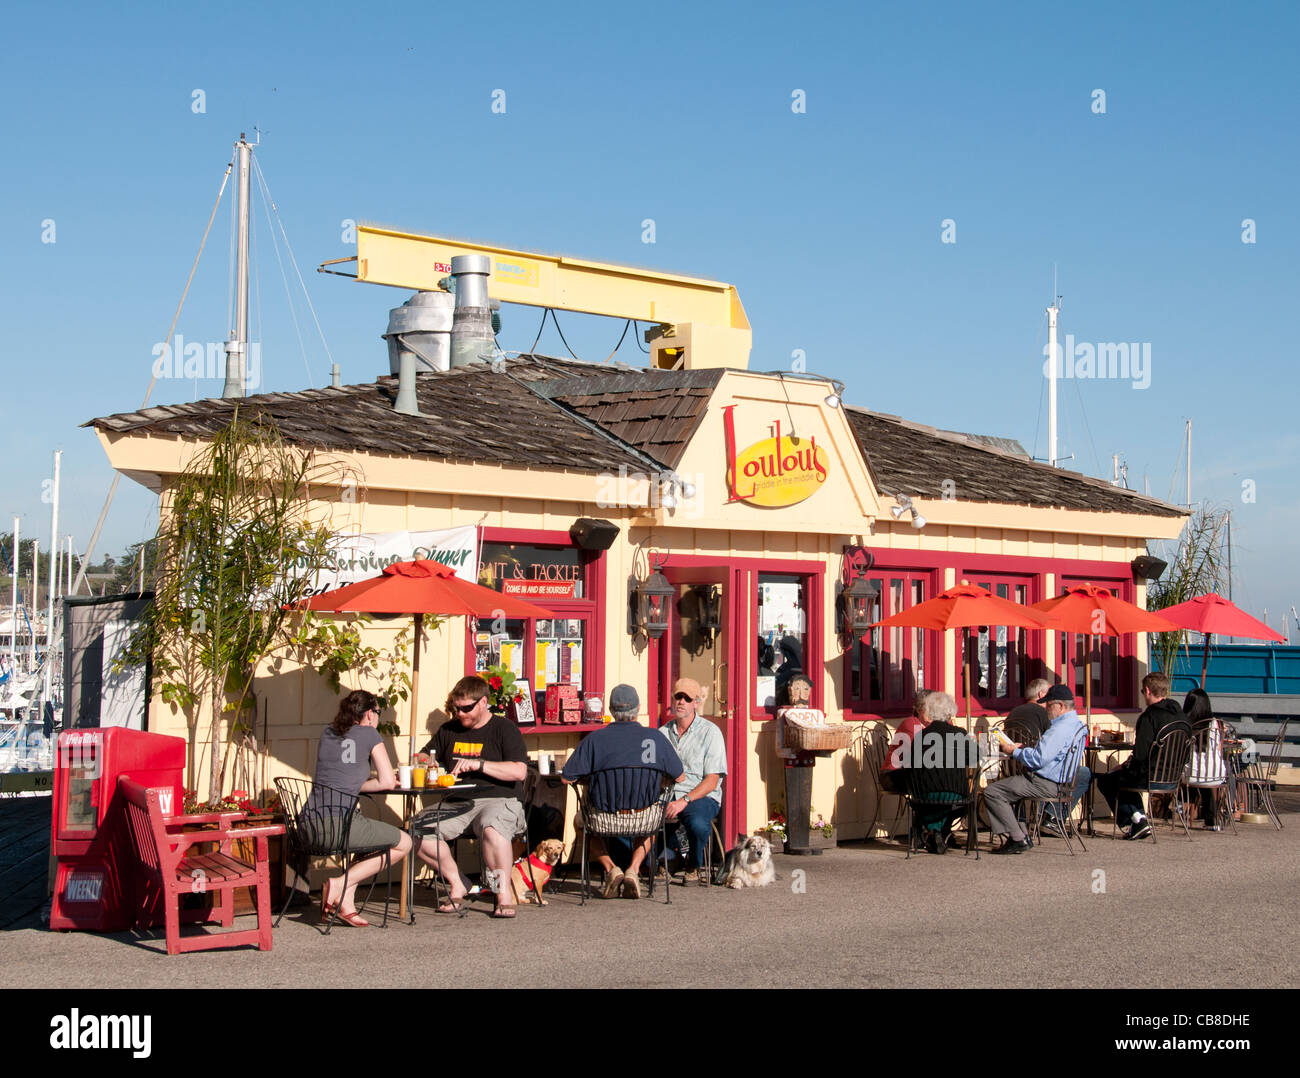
x=773 y=472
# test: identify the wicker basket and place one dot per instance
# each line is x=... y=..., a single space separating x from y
x=818 y=738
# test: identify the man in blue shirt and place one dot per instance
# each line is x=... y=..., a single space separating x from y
x=697 y=797
x=624 y=744
x=1045 y=766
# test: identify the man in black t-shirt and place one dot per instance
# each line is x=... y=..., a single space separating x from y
x=1031 y=714
x=486 y=751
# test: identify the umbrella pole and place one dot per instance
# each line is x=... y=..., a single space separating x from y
x=965 y=665
x=1205 y=659
x=415 y=685
x=1087 y=679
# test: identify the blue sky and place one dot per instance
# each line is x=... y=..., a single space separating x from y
x=829 y=222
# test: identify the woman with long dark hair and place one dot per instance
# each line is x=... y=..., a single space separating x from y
x=1208 y=764
x=349 y=747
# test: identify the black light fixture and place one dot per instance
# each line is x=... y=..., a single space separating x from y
x=1145 y=567
x=708 y=603
x=654 y=605
x=854 y=602
x=855 y=606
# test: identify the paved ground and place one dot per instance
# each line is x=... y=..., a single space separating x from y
x=1219 y=911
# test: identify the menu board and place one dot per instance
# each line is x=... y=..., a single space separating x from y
x=512 y=656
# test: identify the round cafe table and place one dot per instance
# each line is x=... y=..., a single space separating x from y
x=409 y=795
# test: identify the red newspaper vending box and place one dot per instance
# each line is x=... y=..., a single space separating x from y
x=95 y=884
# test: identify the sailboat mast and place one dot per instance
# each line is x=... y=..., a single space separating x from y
x=54 y=561
x=237 y=346
x=1052 y=312
x=13 y=624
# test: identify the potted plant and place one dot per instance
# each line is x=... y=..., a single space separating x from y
x=821 y=835
x=502 y=691
x=774 y=831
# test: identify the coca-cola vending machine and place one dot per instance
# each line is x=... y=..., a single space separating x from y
x=95 y=884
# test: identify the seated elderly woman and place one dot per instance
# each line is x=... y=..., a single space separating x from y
x=936 y=762
x=349 y=747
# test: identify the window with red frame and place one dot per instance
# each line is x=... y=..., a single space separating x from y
x=884 y=670
x=1003 y=658
x=1113 y=657
x=542 y=651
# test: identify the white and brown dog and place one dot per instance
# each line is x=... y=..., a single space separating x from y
x=749 y=864
x=536 y=870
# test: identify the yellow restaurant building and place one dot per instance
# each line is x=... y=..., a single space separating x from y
x=758 y=497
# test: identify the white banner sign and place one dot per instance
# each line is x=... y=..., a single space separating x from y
x=360 y=557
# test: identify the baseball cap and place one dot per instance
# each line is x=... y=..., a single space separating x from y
x=624 y=698
x=1059 y=694
x=689 y=686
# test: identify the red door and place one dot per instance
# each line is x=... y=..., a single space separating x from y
x=701 y=643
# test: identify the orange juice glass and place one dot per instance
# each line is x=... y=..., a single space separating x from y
x=417 y=777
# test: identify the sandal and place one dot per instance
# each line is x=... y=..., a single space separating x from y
x=354 y=919
x=503 y=913
x=326 y=906
x=451 y=907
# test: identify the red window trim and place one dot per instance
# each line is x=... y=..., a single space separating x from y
x=1123 y=587
x=862 y=708
x=1035 y=651
x=591 y=609
x=1113 y=574
x=813 y=576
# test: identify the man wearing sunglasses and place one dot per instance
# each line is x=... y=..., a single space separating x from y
x=697 y=798
x=486 y=752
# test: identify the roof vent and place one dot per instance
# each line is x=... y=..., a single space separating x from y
x=472 y=339
x=421 y=327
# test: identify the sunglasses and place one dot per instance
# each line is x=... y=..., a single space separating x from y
x=465 y=709
x=683 y=696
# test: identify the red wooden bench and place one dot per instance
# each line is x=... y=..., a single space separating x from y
x=169 y=869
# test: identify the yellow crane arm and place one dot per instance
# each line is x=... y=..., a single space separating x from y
x=703 y=322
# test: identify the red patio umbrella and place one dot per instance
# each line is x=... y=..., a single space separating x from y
x=421 y=587
x=1210 y=614
x=960 y=608
x=1096 y=611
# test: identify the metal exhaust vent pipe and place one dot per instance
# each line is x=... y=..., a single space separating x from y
x=406 y=403
x=471 y=331
x=422 y=326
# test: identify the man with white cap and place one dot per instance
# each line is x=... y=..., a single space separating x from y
x=604 y=757
x=697 y=797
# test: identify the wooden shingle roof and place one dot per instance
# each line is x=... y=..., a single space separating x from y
x=658 y=412
x=470 y=414
x=910 y=458
x=555 y=414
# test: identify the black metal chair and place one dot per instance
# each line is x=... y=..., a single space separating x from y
x=428 y=824
x=1261 y=775
x=1209 y=770
x=1166 y=769
x=874 y=750
x=933 y=792
x=318 y=823
x=1026 y=735
x=1064 y=795
x=633 y=824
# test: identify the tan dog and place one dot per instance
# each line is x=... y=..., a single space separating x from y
x=535 y=871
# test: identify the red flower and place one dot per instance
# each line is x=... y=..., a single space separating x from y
x=495 y=682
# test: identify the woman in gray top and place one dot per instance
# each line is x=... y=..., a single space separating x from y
x=349 y=747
